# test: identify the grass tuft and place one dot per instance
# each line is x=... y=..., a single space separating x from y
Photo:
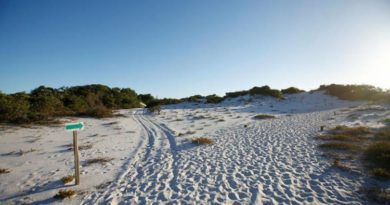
x=263 y=116
x=339 y=146
x=67 y=179
x=202 y=140
x=378 y=154
x=339 y=137
x=352 y=131
x=62 y=194
x=100 y=160
x=380 y=173
x=377 y=194
x=4 y=171
x=85 y=146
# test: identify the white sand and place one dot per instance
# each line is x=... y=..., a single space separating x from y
x=251 y=162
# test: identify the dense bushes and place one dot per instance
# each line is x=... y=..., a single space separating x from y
x=154 y=106
x=213 y=99
x=146 y=98
x=236 y=94
x=292 y=90
x=267 y=91
x=264 y=90
x=44 y=102
x=356 y=92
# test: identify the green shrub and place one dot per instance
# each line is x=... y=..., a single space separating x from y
x=146 y=98
x=67 y=179
x=202 y=140
x=14 y=108
x=339 y=146
x=213 y=99
x=355 y=92
x=99 y=112
x=263 y=116
x=378 y=154
x=62 y=194
x=4 y=171
x=194 y=98
x=380 y=173
x=44 y=103
x=292 y=90
x=351 y=131
x=236 y=94
x=154 y=106
x=266 y=91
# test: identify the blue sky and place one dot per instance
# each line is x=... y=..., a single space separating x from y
x=180 y=48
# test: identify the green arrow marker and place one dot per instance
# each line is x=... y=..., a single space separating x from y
x=74 y=126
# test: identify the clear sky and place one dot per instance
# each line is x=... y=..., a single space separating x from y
x=177 y=48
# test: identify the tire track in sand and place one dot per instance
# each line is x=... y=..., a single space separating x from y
x=153 y=175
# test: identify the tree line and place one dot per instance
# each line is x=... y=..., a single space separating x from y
x=44 y=103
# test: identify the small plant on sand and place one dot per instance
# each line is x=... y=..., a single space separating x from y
x=85 y=146
x=339 y=146
x=337 y=163
x=67 y=179
x=263 y=116
x=202 y=140
x=378 y=154
x=4 y=171
x=63 y=194
x=380 y=173
x=352 y=131
x=377 y=194
x=339 y=137
x=100 y=160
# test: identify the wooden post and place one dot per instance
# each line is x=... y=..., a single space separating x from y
x=76 y=158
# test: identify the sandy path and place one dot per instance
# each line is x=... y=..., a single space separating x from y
x=153 y=173
x=268 y=162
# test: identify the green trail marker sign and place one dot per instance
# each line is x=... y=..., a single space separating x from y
x=74 y=127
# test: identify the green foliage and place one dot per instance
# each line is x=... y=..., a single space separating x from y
x=14 y=108
x=213 y=99
x=292 y=90
x=378 y=154
x=267 y=91
x=380 y=173
x=44 y=103
x=194 y=98
x=339 y=146
x=146 y=98
x=236 y=94
x=154 y=106
x=263 y=116
x=169 y=101
x=264 y=90
x=356 y=92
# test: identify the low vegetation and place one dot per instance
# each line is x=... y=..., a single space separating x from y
x=377 y=194
x=378 y=154
x=368 y=149
x=202 y=141
x=213 y=99
x=292 y=90
x=4 y=171
x=85 y=146
x=63 y=194
x=339 y=146
x=356 y=92
x=67 y=179
x=45 y=103
x=263 y=116
x=100 y=160
x=154 y=107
